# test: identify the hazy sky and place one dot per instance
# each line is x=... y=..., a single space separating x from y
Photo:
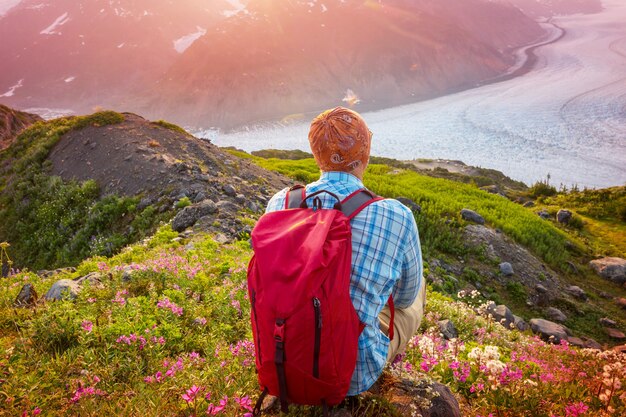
x=7 y=4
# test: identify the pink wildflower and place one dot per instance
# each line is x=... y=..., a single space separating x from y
x=192 y=393
x=576 y=409
x=87 y=326
x=244 y=402
x=214 y=410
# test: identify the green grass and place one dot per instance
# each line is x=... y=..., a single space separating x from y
x=441 y=201
x=50 y=222
x=171 y=126
x=134 y=347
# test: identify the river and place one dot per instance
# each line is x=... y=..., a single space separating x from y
x=566 y=117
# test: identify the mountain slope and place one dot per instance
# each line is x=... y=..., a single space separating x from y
x=226 y=63
x=79 y=186
x=12 y=122
x=81 y=54
x=296 y=56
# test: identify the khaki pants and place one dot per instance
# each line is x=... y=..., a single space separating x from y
x=406 y=321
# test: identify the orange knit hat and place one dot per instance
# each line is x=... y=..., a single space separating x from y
x=340 y=140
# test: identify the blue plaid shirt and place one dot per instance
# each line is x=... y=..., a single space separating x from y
x=386 y=258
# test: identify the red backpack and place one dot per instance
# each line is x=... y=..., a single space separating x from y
x=304 y=324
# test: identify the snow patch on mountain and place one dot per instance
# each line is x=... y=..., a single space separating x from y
x=186 y=41
x=6 y=5
x=238 y=7
x=61 y=20
x=11 y=91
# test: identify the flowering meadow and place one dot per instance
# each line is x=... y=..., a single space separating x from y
x=166 y=333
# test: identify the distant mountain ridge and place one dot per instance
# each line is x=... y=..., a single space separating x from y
x=228 y=62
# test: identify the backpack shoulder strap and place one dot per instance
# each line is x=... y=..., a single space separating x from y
x=357 y=201
x=295 y=196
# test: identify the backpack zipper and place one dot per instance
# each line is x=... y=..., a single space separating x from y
x=318 y=336
x=256 y=324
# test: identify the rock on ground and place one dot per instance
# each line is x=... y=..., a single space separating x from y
x=615 y=334
x=577 y=292
x=502 y=314
x=521 y=324
x=447 y=329
x=613 y=269
x=506 y=269
x=27 y=296
x=431 y=398
x=472 y=216
x=555 y=314
x=188 y=216
x=549 y=331
x=529 y=270
x=63 y=288
x=563 y=216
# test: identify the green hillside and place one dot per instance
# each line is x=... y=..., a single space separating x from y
x=161 y=327
x=171 y=314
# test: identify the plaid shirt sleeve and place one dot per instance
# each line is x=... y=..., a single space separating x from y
x=406 y=289
x=277 y=202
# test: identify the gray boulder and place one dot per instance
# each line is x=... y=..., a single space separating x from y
x=544 y=214
x=577 y=292
x=506 y=269
x=563 y=216
x=447 y=329
x=613 y=269
x=225 y=206
x=607 y=322
x=65 y=288
x=555 y=314
x=229 y=190
x=502 y=314
x=407 y=395
x=548 y=330
x=188 y=216
x=529 y=204
x=472 y=216
x=240 y=198
x=201 y=196
x=520 y=324
x=27 y=296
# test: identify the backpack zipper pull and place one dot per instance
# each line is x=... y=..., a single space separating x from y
x=318 y=311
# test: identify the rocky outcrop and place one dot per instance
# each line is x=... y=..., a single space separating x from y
x=12 y=122
x=612 y=269
x=528 y=269
x=188 y=216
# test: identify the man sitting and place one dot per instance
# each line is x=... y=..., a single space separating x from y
x=386 y=255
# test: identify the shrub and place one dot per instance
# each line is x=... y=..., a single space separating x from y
x=183 y=202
